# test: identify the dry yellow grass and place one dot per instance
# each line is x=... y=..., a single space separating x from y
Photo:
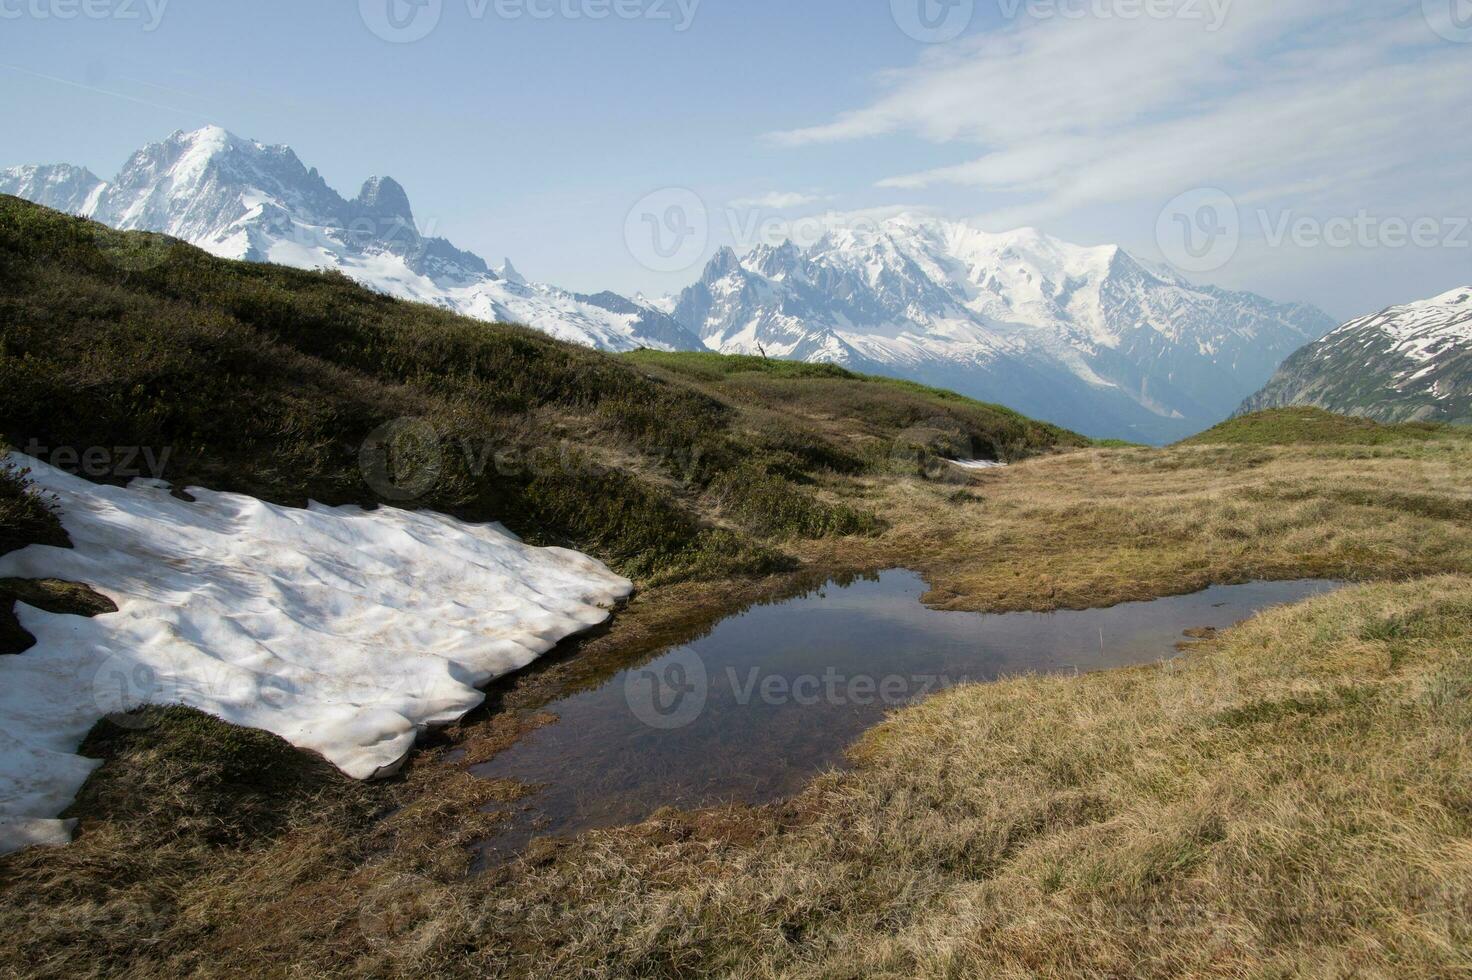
x=1102 y=526
x=1290 y=799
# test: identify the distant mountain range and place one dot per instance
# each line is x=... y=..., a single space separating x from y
x=1407 y=363
x=240 y=199
x=1088 y=337
x=1091 y=338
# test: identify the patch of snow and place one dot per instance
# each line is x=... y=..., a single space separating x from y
x=341 y=630
x=978 y=464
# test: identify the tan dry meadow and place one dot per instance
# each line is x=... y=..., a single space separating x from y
x=1291 y=798
x=1101 y=526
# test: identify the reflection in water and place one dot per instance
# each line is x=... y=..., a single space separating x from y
x=751 y=710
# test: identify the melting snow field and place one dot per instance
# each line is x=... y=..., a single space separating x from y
x=341 y=630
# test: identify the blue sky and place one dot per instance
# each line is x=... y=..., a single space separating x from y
x=533 y=137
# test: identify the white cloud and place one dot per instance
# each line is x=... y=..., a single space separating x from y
x=1323 y=103
x=744 y=233
x=777 y=200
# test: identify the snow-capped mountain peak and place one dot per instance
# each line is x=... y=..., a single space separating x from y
x=725 y=262
x=384 y=199
x=1421 y=329
x=243 y=199
x=508 y=272
x=1088 y=336
x=61 y=186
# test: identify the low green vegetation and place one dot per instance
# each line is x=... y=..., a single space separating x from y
x=26 y=517
x=863 y=413
x=270 y=381
x=1304 y=426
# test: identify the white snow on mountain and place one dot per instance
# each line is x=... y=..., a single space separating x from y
x=1420 y=332
x=1409 y=363
x=74 y=190
x=240 y=199
x=1090 y=337
x=343 y=631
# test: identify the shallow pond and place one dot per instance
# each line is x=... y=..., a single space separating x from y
x=775 y=694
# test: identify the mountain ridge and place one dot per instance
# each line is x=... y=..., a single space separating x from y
x=241 y=199
x=1407 y=363
x=1088 y=336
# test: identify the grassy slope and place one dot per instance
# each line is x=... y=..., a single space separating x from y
x=1314 y=426
x=841 y=401
x=268 y=380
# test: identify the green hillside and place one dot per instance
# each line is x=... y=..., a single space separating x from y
x=270 y=381
x=1302 y=426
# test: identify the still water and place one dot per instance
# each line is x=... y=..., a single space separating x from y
x=775 y=694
